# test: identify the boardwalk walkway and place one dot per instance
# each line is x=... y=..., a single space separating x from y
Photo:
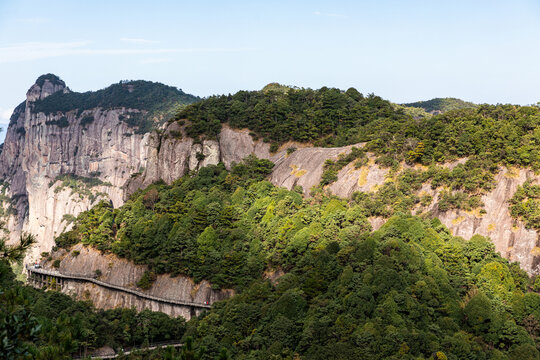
x=127 y=352
x=42 y=276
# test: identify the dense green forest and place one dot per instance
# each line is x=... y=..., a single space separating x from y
x=159 y=102
x=442 y=104
x=279 y=113
x=410 y=290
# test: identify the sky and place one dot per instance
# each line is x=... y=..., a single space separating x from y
x=404 y=51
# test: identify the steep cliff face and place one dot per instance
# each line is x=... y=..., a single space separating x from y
x=171 y=156
x=510 y=237
x=38 y=148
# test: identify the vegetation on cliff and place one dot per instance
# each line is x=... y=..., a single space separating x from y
x=525 y=205
x=408 y=290
x=80 y=185
x=53 y=79
x=158 y=102
x=278 y=114
x=441 y=105
x=488 y=136
x=495 y=134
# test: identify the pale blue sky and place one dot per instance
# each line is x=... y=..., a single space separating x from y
x=483 y=51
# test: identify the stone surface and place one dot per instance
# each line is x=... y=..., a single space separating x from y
x=512 y=240
x=124 y=273
x=36 y=151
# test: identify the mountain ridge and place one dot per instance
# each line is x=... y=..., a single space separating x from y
x=441 y=105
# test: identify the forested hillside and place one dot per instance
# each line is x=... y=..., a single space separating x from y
x=312 y=279
x=410 y=290
x=486 y=136
x=496 y=134
x=442 y=105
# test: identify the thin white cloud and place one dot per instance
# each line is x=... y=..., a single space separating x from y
x=138 y=41
x=5 y=114
x=334 y=15
x=36 y=20
x=155 y=60
x=38 y=50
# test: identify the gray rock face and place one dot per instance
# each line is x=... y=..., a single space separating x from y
x=37 y=92
x=37 y=150
x=304 y=167
x=123 y=273
x=512 y=240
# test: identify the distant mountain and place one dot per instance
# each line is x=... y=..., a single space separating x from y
x=441 y=105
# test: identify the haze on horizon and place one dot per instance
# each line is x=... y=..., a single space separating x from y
x=404 y=51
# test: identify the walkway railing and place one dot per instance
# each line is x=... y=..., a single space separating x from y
x=59 y=275
x=154 y=346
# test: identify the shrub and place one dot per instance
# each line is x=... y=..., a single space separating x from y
x=199 y=156
x=87 y=120
x=146 y=280
x=56 y=263
x=290 y=150
x=274 y=147
x=150 y=198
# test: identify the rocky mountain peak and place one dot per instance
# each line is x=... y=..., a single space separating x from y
x=45 y=85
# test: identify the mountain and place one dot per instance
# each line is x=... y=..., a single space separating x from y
x=56 y=164
x=441 y=105
x=337 y=224
x=61 y=143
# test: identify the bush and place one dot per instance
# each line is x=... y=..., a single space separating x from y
x=199 y=156
x=146 y=280
x=150 y=198
x=274 y=147
x=56 y=263
x=87 y=120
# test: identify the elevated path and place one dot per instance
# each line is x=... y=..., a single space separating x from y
x=39 y=277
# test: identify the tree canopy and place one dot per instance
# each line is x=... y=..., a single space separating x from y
x=406 y=291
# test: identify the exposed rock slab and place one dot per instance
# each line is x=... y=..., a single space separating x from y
x=510 y=237
x=121 y=272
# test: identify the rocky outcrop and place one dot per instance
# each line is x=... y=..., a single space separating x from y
x=510 y=237
x=85 y=262
x=94 y=143
x=512 y=240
